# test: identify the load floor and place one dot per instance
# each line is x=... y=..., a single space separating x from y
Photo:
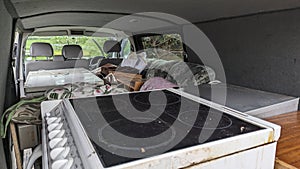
x=288 y=147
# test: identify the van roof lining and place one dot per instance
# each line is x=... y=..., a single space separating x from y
x=195 y=11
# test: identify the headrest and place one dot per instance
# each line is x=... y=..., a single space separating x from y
x=111 y=46
x=41 y=49
x=72 y=52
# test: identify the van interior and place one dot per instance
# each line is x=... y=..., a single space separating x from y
x=232 y=65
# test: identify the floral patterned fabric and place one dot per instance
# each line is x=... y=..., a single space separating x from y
x=78 y=90
x=179 y=72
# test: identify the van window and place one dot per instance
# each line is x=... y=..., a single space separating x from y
x=91 y=46
x=125 y=48
x=166 y=46
x=15 y=47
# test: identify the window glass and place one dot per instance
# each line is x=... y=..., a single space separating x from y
x=166 y=46
x=91 y=46
x=125 y=48
x=15 y=51
x=15 y=47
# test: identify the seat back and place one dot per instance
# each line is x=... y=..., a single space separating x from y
x=38 y=49
x=58 y=62
x=58 y=58
x=50 y=65
x=111 y=46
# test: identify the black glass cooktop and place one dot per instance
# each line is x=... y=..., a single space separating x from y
x=132 y=126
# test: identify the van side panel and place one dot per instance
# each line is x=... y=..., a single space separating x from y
x=259 y=51
x=6 y=32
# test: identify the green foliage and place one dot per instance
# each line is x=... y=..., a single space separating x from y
x=126 y=50
x=166 y=46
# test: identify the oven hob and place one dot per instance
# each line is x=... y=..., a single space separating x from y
x=203 y=121
x=103 y=117
x=153 y=97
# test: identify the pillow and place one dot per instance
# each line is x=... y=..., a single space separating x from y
x=184 y=73
x=137 y=61
x=156 y=73
x=202 y=74
x=158 y=67
x=128 y=62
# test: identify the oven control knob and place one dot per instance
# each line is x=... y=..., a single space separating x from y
x=53 y=120
x=59 y=153
x=57 y=142
x=63 y=164
x=55 y=126
x=56 y=134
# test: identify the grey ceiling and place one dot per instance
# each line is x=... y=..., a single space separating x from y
x=40 y=13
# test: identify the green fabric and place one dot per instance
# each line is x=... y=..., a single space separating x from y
x=11 y=111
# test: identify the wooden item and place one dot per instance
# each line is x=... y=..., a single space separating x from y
x=132 y=81
x=283 y=165
x=110 y=66
x=288 y=147
x=16 y=145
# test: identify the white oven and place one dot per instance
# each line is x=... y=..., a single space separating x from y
x=154 y=129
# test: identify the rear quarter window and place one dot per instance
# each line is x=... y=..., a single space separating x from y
x=165 y=46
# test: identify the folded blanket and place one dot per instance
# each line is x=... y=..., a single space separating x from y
x=157 y=83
